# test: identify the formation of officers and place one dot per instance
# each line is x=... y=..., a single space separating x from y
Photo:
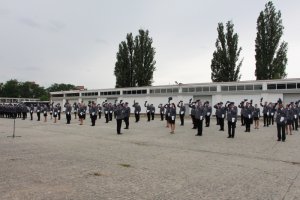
x=286 y=118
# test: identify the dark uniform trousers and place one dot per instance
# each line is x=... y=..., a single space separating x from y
x=148 y=115
x=126 y=120
x=39 y=116
x=295 y=123
x=266 y=121
x=119 y=124
x=152 y=115
x=181 y=119
x=137 y=117
x=106 y=117
x=199 y=124
x=243 y=120
x=231 y=129
x=194 y=122
x=162 y=116
x=221 y=122
x=247 y=123
x=207 y=121
x=93 y=118
x=31 y=115
x=110 y=116
x=58 y=113
x=99 y=114
x=68 y=117
x=281 y=132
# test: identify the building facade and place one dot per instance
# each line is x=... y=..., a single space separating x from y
x=270 y=90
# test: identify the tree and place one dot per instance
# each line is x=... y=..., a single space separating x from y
x=60 y=87
x=271 y=56
x=11 y=89
x=144 y=59
x=135 y=61
x=124 y=67
x=224 y=65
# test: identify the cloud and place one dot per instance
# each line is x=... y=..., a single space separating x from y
x=4 y=12
x=30 y=22
x=55 y=25
x=101 y=41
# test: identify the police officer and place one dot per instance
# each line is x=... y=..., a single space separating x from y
x=24 y=111
x=137 y=110
x=272 y=113
x=38 y=112
x=119 y=111
x=181 y=112
x=68 y=110
x=111 y=110
x=193 y=113
x=265 y=112
x=55 y=113
x=99 y=110
x=51 y=111
x=295 y=117
x=44 y=110
x=106 y=111
x=126 y=115
x=148 y=110
x=221 y=112
x=256 y=116
x=289 y=119
x=231 y=118
x=31 y=110
x=152 y=109
x=167 y=114
x=81 y=112
x=161 y=111
x=58 y=110
x=281 y=121
x=93 y=113
x=75 y=108
x=172 y=117
x=199 y=117
x=208 y=111
x=241 y=106
x=247 y=116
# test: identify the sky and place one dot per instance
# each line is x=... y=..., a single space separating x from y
x=76 y=41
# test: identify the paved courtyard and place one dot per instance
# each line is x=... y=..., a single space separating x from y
x=59 y=161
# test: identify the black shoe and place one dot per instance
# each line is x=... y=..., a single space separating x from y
x=283 y=140
x=278 y=139
x=198 y=135
x=125 y=128
x=229 y=137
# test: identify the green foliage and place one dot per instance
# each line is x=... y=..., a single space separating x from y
x=15 y=89
x=135 y=61
x=224 y=65
x=271 y=56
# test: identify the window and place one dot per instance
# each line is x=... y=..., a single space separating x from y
x=72 y=95
x=198 y=89
x=57 y=95
x=213 y=88
x=169 y=90
x=191 y=89
x=133 y=91
x=144 y=91
x=185 y=90
x=291 y=86
x=175 y=90
x=163 y=90
x=240 y=87
x=224 y=88
x=205 y=89
x=281 y=86
x=248 y=87
x=139 y=91
x=298 y=85
x=271 y=86
x=232 y=88
x=257 y=87
x=157 y=91
x=151 y=91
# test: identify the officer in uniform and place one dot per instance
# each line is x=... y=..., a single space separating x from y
x=106 y=110
x=31 y=110
x=75 y=108
x=99 y=110
x=265 y=112
x=241 y=106
x=161 y=111
x=172 y=117
x=58 y=111
x=110 y=111
x=126 y=115
x=231 y=118
x=247 y=116
x=181 y=112
x=24 y=111
x=272 y=112
x=221 y=112
x=119 y=111
x=137 y=110
x=152 y=109
x=68 y=110
x=199 y=117
x=167 y=114
x=81 y=112
x=148 y=110
x=45 y=112
x=193 y=113
x=55 y=113
x=256 y=115
x=51 y=111
x=296 y=114
x=38 y=112
x=208 y=111
x=281 y=121
x=93 y=113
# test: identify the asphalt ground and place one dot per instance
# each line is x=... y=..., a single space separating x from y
x=60 y=161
